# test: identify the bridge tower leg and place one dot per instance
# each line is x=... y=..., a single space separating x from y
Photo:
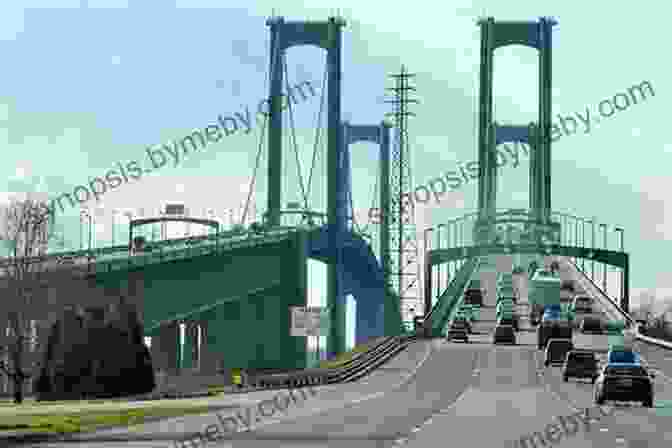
x=326 y=35
x=494 y=35
x=366 y=311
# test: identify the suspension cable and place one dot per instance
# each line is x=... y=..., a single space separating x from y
x=318 y=128
x=295 y=146
x=250 y=191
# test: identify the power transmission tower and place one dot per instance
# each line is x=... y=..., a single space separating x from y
x=403 y=275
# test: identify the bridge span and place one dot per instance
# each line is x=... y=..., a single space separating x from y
x=439 y=393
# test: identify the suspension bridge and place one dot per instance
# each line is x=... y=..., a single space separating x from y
x=235 y=288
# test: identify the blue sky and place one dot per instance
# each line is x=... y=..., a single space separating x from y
x=90 y=84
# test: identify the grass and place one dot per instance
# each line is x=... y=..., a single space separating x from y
x=72 y=422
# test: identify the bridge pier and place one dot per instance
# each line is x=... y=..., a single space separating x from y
x=190 y=353
x=165 y=347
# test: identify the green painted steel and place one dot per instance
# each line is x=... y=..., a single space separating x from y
x=243 y=293
x=449 y=301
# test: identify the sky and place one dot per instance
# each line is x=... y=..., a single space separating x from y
x=90 y=84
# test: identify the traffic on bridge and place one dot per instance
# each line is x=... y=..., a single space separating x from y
x=497 y=332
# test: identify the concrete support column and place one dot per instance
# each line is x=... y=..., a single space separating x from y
x=208 y=361
x=190 y=351
x=165 y=346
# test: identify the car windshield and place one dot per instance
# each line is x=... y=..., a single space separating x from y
x=582 y=357
x=626 y=370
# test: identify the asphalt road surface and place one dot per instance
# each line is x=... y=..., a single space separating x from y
x=439 y=393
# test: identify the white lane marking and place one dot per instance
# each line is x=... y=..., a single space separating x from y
x=548 y=388
x=620 y=440
x=342 y=405
x=604 y=429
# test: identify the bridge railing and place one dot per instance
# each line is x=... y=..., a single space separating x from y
x=632 y=322
x=95 y=254
x=172 y=253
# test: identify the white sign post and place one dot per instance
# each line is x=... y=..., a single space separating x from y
x=305 y=321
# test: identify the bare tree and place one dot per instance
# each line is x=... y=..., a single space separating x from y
x=28 y=227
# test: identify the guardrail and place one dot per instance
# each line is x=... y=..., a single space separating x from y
x=364 y=363
x=629 y=319
x=360 y=365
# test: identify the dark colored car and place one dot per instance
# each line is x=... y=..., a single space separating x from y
x=591 y=324
x=473 y=296
x=504 y=334
x=553 y=330
x=580 y=364
x=582 y=304
x=466 y=323
x=509 y=319
x=624 y=382
x=458 y=330
x=556 y=351
x=567 y=285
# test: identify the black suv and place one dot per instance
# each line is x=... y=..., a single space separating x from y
x=580 y=364
x=458 y=330
x=624 y=382
x=556 y=351
x=504 y=334
x=473 y=296
x=591 y=324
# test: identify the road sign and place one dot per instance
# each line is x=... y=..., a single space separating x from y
x=305 y=321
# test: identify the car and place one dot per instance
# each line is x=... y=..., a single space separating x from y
x=582 y=304
x=66 y=260
x=567 y=285
x=591 y=324
x=623 y=355
x=504 y=334
x=624 y=382
x=473 y=296
x=462 y=318
x=580 y=364
x=458 y=330
x=556 y=330
x=509 y=319
x=556 y=351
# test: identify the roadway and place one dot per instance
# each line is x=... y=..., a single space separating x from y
x=472 y=394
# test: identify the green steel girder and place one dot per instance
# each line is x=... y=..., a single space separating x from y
x=613 y=258
x=440 y=256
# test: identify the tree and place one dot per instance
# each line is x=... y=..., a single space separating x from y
x=28 y=228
